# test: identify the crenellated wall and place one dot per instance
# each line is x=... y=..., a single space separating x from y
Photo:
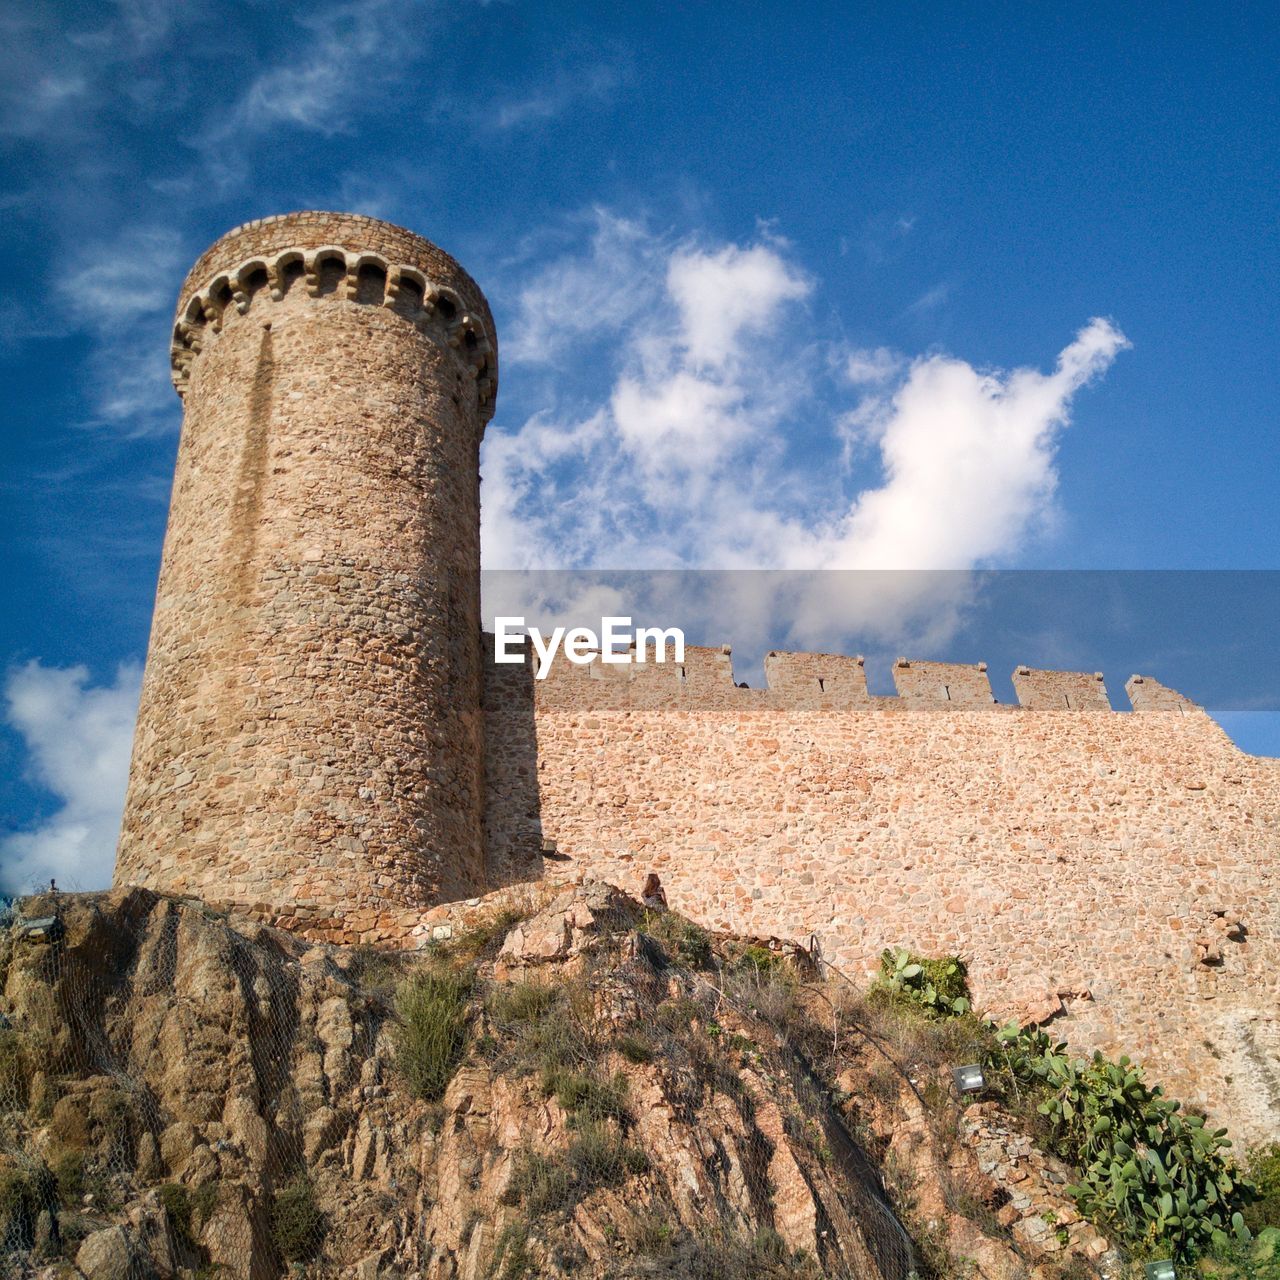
x=1116 y=869
x=1061 y=690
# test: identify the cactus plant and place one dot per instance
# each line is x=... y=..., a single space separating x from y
x=940 y=987
x=1159 y=1175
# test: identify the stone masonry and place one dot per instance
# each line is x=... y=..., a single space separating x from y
x=309 y=734
x=1114 y=872
x=324 y=743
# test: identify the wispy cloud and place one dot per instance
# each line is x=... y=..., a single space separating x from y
x=317 y=79
x=595 y=84
x=594 y=290
x=78 y=738
x=122 y=290
x=872 y=366
x=930 y=300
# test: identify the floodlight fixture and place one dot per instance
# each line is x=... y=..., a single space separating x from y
x=968 y=1079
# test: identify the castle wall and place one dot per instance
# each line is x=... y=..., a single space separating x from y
x=1084 y=861
x=321 y=743
x=309 y=733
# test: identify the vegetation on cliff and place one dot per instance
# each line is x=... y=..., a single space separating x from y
x=576 y=1088
x=1158 y=1179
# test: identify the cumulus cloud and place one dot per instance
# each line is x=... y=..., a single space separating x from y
x=78 y=738
x=715 y=374
x=968 y=459
x=687 y=394
x=729 y=296
x=718 y=428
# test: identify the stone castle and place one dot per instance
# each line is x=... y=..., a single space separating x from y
x=325 y=743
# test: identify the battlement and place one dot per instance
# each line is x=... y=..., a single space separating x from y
x=956 y=683
x=338 y=257
x=814 y=681
x=1147 y=694
x=1059 y=690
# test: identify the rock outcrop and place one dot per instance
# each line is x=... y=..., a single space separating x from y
x=182 y=1091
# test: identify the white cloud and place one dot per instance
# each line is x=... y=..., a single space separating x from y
x=871 y=366
x=717 y=428
x=678 y=331
x=968 y=460
x=930 y=300
x=317 y=81
x=126 y=277
x=597 y=83
x=78 y=740
x=587 y=296
x=729 y=296
x=122 y=291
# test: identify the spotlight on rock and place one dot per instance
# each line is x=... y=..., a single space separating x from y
x=1162 y=1270
x=968 y=1079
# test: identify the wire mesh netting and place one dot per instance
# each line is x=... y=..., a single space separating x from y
x=185 y=1094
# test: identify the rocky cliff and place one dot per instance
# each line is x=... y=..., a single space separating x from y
x=591 y=1090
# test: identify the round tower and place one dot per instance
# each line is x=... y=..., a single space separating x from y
x=309 y=738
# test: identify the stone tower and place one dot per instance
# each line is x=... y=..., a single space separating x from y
x=309 y=739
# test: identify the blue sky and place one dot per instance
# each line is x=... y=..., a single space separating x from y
x=802 y=286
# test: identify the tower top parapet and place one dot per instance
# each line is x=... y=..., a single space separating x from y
x=345 y=255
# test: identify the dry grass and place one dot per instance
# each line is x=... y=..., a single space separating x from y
x=431 y=1005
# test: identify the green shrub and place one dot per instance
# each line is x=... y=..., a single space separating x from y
x=1255 y=1259
x=1148 y=1171
x=25 y=1192
x=298 y=1226
x=484 y=940
x=546 y=1027
x=512 y=1257
x=599 y=1157
x=177 y=1208
x=677 y=1016
x=1264 y=1173
x=204 y=1200
x=757 y=960
x=636 y=1050
x=432 y=1009
x=523 y=1002
x=540 y=1183
x=378 y=970
x=720 y=1254
x=585 y=1097
x=69 y=1175
x=683 y=939
x=937 y=987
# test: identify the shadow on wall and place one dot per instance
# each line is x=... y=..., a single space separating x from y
x=516 y=852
